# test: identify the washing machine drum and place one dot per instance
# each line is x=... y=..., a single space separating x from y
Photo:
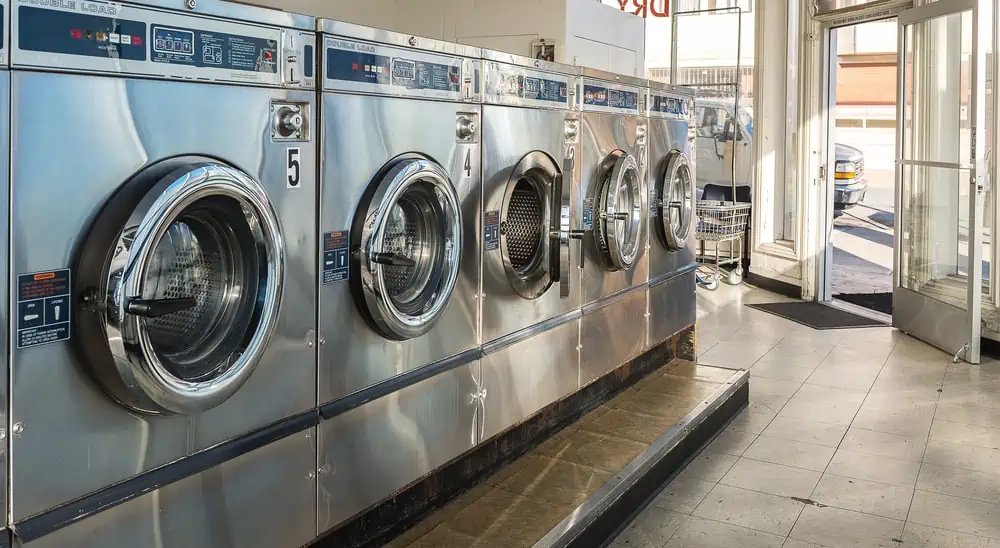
x=186 y=289
x=675 y=207
x=408 y=240
x=618 y=211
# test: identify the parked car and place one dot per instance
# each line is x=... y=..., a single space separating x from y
x=724 y=139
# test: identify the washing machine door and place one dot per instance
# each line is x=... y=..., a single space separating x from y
x=534 y=226
x=675 y=210
x=619 y=206
x=189 y=288
x=408 y=248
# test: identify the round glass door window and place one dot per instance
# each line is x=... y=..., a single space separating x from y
x=192 y=288
x=618 y=210
x=677 y=203
x=410 y=242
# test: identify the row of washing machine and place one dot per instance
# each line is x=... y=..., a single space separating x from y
x=266 y=271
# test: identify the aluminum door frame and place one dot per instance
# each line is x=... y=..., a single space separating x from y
x=942 y=325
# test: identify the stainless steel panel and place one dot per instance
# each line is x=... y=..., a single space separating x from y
x=666 y=136
x=601 y=135
x=526 y=376
x=373 y=451
x=612 y=77
x=4 y=275
x=528 y=62
x=361 y=134
x=265 y=498
x=75 y=439
x=382 y=36
x=672 y=307
x=510 y=133
x=613 y=334
x=233 y=10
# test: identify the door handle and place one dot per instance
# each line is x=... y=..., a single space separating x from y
x=154 y=308
x=392 y=259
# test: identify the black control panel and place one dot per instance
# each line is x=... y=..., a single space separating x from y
x=213 y=49
x=380 y=69
x=602 y=96
x=51 y=31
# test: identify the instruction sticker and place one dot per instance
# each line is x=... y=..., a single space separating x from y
x=336 y=256
x=588 y=213
x=491 y=236
x=43 y=308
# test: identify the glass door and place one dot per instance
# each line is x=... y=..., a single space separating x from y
x=940 y=174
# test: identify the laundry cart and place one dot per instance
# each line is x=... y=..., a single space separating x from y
x=719 y=233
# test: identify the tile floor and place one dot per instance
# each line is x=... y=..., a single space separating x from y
x=852 y=438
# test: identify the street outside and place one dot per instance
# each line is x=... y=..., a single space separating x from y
x=862 y=240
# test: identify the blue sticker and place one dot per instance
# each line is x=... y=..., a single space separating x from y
x=491 y=235
x=307 y=61
x=336 y=256
x=43 y=308
x=588 y=213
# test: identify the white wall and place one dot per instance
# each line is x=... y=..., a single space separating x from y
x=602 y=37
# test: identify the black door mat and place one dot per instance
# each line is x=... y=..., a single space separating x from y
x=817 y=315
x=881 y=302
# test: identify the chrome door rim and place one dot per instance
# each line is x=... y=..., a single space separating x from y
x=676 y=165
x=128 y=338
x=390 y=320
x=536 y=168
x=624 y=176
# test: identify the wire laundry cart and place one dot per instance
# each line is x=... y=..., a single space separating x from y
x=719 y=233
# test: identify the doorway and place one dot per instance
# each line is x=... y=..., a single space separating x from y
x=861 y=163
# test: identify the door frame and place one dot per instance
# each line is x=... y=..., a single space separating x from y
x=829 y=23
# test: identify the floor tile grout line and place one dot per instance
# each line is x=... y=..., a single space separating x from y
x=997 y=538
x=738 y=526
x=923 y=455
x=854 y=418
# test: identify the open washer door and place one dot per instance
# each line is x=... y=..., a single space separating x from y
x=675 y=210
x=535 y=226
x=180 y=283
x=618 y=205
x=407 y=243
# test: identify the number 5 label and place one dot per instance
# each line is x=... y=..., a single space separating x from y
x=293 y=169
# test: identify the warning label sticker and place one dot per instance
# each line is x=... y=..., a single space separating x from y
x=491 y=235
x=43 y=308
x=336 y=256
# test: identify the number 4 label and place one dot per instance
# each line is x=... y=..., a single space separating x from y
x=293 y=169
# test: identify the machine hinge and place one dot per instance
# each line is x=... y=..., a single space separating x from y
x=822 y=172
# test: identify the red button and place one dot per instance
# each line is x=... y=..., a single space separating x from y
x=267 y=55
x=137 y=40
x=76 y=34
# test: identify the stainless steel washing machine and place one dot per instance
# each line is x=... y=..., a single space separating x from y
x=531 y=282
x=671 y=183
x=612 y=201
x=399 y=217
x=163 y=274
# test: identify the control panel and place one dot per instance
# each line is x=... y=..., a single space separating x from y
x=353 y=65
x=663 y=104
x=600 y=96
x=518 y=86
x=120 y=38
